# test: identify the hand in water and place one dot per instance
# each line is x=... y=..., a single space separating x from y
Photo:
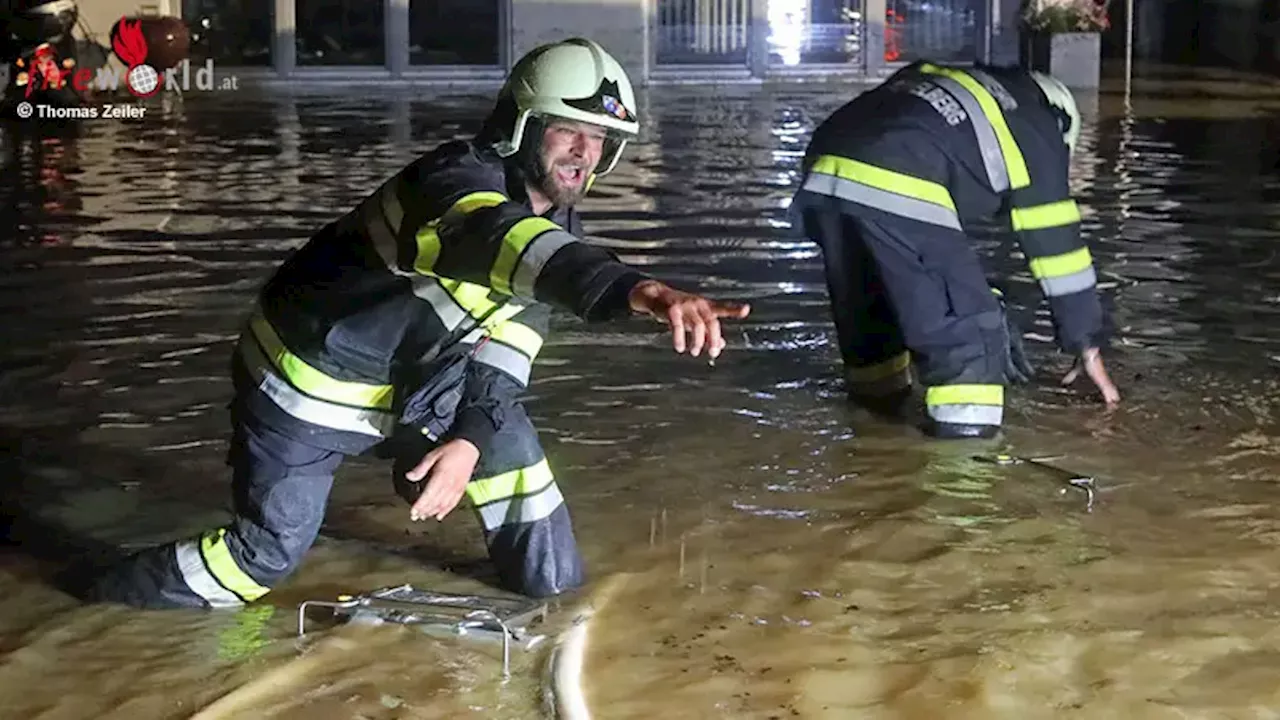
x=1090 y=361
x=686 y=312
x=448 y=469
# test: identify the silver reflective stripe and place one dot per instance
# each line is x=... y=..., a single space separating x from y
x=384 y=241
x=376 y=423
x=996 y=88
x=992 y=155
x=447 y=309
x=907 y=207
x=1068 y=284
x=524 y=509
x=535 y=256
x=391 y=209
x=507 y=359
x=968 y=414
x=197 y=576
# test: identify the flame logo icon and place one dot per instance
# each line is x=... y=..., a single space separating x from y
x=130 y=46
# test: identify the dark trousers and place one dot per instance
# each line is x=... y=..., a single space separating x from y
x=280 y=488
x=906 y=293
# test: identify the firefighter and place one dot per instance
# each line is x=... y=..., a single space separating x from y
x=893 y=181
x=412 y=323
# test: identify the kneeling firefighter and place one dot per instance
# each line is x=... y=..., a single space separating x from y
x=892 y=180
x=412 y=323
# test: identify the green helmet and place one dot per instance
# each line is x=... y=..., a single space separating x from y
x=1061 y=99
x=574 y=79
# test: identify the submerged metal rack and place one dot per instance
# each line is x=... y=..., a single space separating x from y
x=1084 y=483
x=484 y=618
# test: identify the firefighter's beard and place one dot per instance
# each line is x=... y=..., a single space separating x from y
x=563 y=181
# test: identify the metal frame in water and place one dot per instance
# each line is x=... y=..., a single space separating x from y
x=472 y=617
x=1084 y=483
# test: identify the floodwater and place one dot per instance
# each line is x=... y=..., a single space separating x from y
x=766 y=552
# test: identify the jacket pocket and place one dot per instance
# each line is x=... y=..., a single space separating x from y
x=364 y=356
x=433 y=405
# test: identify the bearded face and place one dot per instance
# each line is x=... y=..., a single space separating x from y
x=569 y=153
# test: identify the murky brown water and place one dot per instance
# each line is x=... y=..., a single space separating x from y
x=774 y=554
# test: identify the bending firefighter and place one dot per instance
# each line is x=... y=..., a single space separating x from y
x=892 y=180
x=411 y=324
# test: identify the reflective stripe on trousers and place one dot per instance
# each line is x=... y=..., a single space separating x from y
x=280 y=489
x=527 y=527
x=882 y=378
x=520 y=496
x=966 y=404
x=211 y=572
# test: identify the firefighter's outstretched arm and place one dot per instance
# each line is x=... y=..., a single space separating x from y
x=1047 y=223
x=457 y=222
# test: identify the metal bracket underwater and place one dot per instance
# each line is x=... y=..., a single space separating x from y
x=482 y=618
x=1085 y=483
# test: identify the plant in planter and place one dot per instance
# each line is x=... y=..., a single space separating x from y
x=1062 y=38
x=1066 y=16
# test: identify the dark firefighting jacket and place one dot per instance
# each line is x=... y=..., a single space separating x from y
x=444 y=277
x=942 y=149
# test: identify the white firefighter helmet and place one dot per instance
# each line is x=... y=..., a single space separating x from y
x=574 y=79
x=1061 y=99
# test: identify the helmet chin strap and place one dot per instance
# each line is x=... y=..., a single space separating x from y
x=528 y=156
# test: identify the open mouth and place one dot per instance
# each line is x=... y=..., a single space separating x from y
x=570 y=175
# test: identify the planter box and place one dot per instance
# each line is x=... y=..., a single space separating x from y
x=1073 y=58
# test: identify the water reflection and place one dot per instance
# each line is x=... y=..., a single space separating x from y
x=44 y=195
x=823 y=563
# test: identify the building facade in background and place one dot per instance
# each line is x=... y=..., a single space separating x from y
x=658 y=40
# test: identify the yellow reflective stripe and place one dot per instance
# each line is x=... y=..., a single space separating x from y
x=473 y=298
x=522 y=509
x=476 y=200
x=880 y=370
x=373 y=422
x=1050 y=215
x=1060 y=265
x=428 y=240
x=310 y=380
x=223 y=567
x=513 y=245
x=519 y=336
x=884 y=179
x=506 y=313
x=965 y=395
x=525 y=481
x=1019 y=176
